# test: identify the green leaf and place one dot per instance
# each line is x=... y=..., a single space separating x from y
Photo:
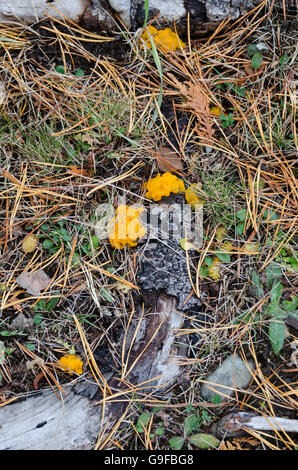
x=275 y=311
x=94 y=242
x=9 y=351
x=290 y=304
x=143 y=421
x=60 y=69
x=65 y=235
x=30 y=347
x=276 y=291
x=47 y=244
x=146 y=5
x=191 y=424
x=41 y=305
x=227 y=121
x=269 y=214
x=223 y=257
x=176 y=443
x=208 y=260
x=256 y=60
x=160 y=431
x=276 y=335
x=156 y=408
x=292 y=313
x=273 y=271
x=216 y=399
x=204 y=272
x=79 y=73
x=106 y=295
x=160 y=72
x=86 y=248
x=204 y=441
x=254 y=246
x=38 y=319
x=76 y=259
x=274 y=308
x=257 y=284
x=52 y=303
x=8 y=333
x=252 y=49
x=241 y=215
x=284 y=59
x=240 y=229
x=186 y=245
x=239 y=91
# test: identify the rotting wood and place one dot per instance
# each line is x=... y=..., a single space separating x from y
x=235 y=424
x=42 y=421
x=202 y=16
x=152 y=356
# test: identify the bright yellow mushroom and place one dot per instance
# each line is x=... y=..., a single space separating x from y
x=165 y=39
x=71 y=363
x=163 y=185
x=126 y=227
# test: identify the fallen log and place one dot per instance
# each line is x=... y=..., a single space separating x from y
x=44 y=422
x=53 y=421
x=102 y=14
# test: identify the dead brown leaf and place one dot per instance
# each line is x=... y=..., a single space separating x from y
x=77 y=171
x=253 y=74
x=168 y=159
x=34 y=282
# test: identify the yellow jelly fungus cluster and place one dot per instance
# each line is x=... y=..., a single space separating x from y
x=29 y=244
x=192 y=197
x=71 y=364
x=163 y=185
x=214 y=269
x=165 y=39
x=227 y=246
x=215 y=110
x=221 y=233
x=126 y=227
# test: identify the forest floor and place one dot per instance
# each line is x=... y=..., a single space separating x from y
x=87 y=119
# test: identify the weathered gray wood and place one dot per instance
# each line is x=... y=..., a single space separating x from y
x=152 y=354
x=45 y=422
x=234 y=424
x=99 y=13
x=29 y=12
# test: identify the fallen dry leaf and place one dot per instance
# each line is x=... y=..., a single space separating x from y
x=21 y=323
x=168 y=159
x=253 y=74
x=77 y=171
x=34 y=283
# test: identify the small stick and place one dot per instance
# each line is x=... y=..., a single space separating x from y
x=234 y=424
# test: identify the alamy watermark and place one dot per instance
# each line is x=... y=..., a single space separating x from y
x=161 y=221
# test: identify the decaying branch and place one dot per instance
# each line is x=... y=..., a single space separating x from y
x=102 y=14
x=235 y=424
x=49 y=421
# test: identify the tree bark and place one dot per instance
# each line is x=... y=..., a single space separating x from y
x=102 y=14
